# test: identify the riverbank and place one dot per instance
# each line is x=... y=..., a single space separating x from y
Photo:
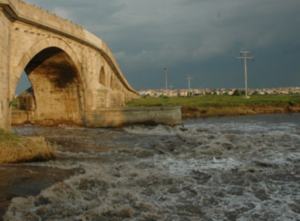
x=16 y=149
x=215 y=105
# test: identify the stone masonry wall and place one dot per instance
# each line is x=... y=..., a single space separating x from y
x=4 y=52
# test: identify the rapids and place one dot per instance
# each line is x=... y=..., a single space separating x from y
x=233 y=168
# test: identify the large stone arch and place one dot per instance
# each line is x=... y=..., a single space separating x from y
x=54 y=70
x=34 y=50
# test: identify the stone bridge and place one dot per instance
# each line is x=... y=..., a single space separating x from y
x=73 y=73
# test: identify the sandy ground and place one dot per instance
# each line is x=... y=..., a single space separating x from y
x=206 y=170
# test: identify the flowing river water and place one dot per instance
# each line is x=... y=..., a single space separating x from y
x=232 y=168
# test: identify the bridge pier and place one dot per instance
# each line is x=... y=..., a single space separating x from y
x=4 y=70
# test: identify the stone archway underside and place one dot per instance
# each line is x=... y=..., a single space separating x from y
x=56 y=86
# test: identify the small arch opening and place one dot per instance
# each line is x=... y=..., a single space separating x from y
x=24 y=96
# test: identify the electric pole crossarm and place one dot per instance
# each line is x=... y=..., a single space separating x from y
x=246 y=56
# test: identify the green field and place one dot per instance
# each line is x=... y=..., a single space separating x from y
x=218 y=101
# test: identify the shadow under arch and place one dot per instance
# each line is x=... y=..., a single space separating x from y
x=56 y=82
x=37 y=48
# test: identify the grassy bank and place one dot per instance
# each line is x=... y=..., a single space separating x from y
x=213 y=105
x=15 y=149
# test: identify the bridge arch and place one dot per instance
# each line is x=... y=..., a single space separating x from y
x=40 y=46
x=54 y=71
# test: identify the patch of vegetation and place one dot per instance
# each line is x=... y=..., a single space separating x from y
x=8 y=137
x=224 y=105
x=15 y=103
x=15 y=149
x=218 y=101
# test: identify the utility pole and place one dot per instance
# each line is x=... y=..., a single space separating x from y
x=245 y=56
x=166 y=78
x=189 y=78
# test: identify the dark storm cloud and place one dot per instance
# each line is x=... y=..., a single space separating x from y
x=197 y=37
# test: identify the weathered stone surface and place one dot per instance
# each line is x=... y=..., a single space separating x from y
x=4 y=78
x=73 y=73
x=113 y=117
x=117 y=117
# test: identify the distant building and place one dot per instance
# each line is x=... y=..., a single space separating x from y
x=221 y=91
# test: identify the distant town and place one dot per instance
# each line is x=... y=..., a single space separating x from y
x=221 y=91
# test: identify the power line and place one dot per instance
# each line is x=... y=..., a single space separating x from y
x=246 y=56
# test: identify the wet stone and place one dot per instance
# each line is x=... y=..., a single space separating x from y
x=174 y=190
x=121 y=214
x=220 y=194
x=190 y=192
x=231 y=215
x=31 y=217
x=265 y=164
x=286 y=177
x=238 y=179
x=264 y=216
x=42 y=212
x=209 y=200
x=227 y=146
x=41 y=201
x=238 y=212
x=235 y=190
x=143 y=207
x=189 y=210
x=295 y=207
x=86 y=184
x=201 y=177
x=151 y=217
x=148 y=191
x=261 y=194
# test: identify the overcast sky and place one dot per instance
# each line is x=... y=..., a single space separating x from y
x=201 y=38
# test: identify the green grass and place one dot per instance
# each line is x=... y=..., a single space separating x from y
x=8 y=137
x=218 y=101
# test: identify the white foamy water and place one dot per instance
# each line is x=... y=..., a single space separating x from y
x=185 y=167
x=219 y=169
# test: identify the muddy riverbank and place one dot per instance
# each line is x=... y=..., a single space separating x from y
x=241 y=168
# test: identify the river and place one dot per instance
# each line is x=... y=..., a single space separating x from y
x=231 y=168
